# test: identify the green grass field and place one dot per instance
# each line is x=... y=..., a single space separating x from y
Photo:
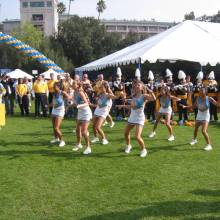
x=41 y=181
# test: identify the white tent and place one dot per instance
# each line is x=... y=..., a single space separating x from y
x=16 y=74
x=189 y=41
x=48 y=72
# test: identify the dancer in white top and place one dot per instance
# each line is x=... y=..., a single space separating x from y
x=58 y=112
x=84 y=115
x=137 y=117
x=203 y=117
x=165 y=110
x=102 y=111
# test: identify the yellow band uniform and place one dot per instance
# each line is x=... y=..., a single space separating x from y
x=50 y=85
x=40 y=87
x=22 y=89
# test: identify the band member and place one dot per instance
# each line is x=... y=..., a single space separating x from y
x=58 y=112
x=203 y=104
x=101 y=112
x=212 y=86
x=181 y=91
x=189 y=85
x=119 y=91
x=171 y=86
x=84 y=115
x=98 y=84
x=87 y=86
x=196 y=89
x=22 y=97
x=165 y=98
x=150 y=106
x=40 y=89
x=50 y=85
x=137 y=117
x=169 y=81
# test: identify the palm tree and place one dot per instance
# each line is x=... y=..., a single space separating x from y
x=61 y=8
x=101 y=6
x=70 y=1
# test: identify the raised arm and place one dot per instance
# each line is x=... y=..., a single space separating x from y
x=214 y=102
x=174 y=98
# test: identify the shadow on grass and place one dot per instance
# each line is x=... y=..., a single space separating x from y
x=176 y=147
x=178 y=209
x=13 y=154
x=205 y=192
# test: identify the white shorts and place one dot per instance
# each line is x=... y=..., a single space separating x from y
x=165 y=111
x=136 y=117
x=203 y=116
x=58 y=112
x=102 y=112
x=84 y=114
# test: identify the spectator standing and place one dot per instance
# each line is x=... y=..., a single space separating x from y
x=40 y=89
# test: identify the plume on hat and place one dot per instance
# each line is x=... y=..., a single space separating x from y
x=181 y=75
x=150 y=75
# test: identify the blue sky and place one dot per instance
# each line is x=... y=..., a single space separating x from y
x=161 y=10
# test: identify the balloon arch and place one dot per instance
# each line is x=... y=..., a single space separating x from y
x=29 y=51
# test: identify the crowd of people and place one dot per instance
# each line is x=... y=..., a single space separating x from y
x=152 y=100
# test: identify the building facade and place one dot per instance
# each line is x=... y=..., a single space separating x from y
x=123 y=27
x=41 y=13
x=148 y=28
x=10 y=25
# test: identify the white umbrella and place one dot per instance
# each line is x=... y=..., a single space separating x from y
x=16 y=74
x=50 y=71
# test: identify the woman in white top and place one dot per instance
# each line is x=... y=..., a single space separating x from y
x=58 y=112
x=137 y=117
x=203 y=116
x=165 y=110
x=84 y=115
x=102 y=111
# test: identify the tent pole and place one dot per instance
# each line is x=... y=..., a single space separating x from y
x=139 y=65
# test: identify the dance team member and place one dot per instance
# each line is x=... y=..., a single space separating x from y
x=137 y=117
x=58 y=112
x=84 y=115
x=165 y=110
x=102 y=111
x=203 y=117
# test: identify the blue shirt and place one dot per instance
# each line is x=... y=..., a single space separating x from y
x=165 y=102
x=139 y=102
x=203 y=105
x=78 y=99
x=103 y=101
x=58 y=100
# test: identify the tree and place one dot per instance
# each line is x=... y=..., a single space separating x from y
x=81 y=39
x=70 y=1
x=29 y=35
x=61 y=8
x=190 y=16
x=216 y=18
x=85 y=39
x=101 y=6
x=132 y=38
